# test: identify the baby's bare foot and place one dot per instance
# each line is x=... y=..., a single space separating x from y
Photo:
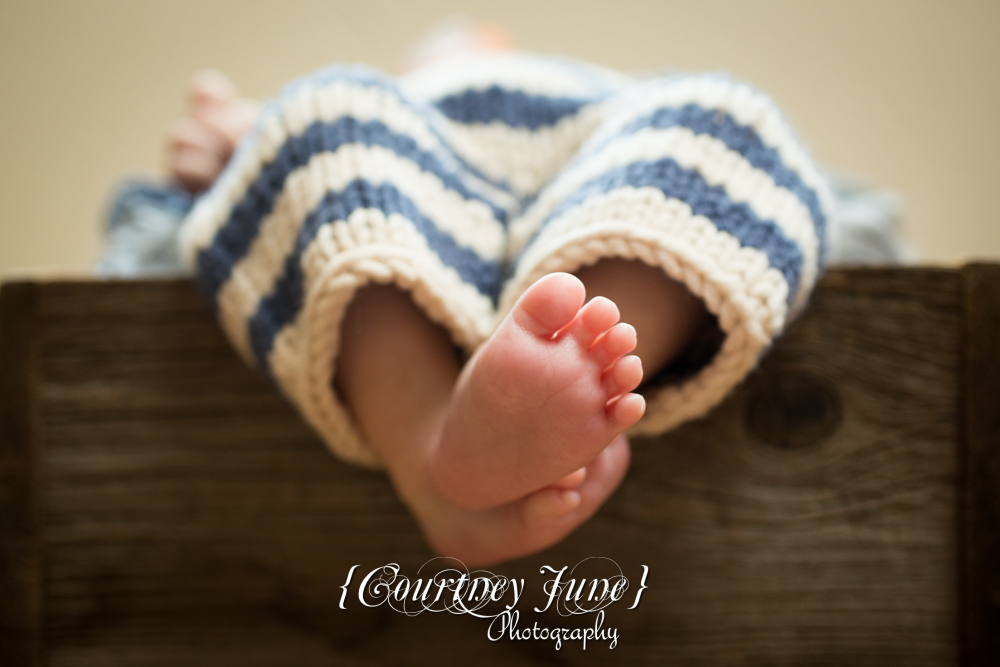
x=543 y=397
x=486 y=536
x=201 y=142
x=398 y=371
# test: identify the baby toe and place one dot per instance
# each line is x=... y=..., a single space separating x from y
x=616 y=341
x=550 y=304
x=572 y=480
x=209 y=86
x=623 y=376
x=627 y=409
x=550 y=503
x=599 y=315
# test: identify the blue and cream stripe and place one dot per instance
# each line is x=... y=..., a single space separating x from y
x=447 y=180
x=517 y=118
x=345 y=181
x=704 y=168
x=525 y=73
x=747 y=121
x=357 y=95
x=702 y=177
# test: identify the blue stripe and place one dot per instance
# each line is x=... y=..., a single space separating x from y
x=511 y=107
x=233 y=240
x=279 y=308
x=741 y=139
x=357 y=74
x=689 y=186
x=366 y=76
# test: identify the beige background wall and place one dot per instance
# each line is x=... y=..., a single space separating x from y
x=905 y=93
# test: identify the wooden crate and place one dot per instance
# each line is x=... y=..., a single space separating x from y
x=160 y=504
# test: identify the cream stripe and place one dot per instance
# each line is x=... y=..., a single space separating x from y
x=470 y=223
x=743 y=103
x=327 y=104
x=373 y=233
x=366 y=103
x=345 y=255
x=530 y=74
x=368 y=244
x=742 y=274
x=716 y=163
x=736 y=283
x=527 y=159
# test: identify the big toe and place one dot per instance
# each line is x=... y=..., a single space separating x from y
x=211 y=87
x=550 y=304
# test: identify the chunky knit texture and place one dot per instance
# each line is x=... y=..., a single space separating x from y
x=466 y=181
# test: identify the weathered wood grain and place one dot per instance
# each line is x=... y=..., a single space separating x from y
x=981 y=444
x=20 y=478
x=811 y=519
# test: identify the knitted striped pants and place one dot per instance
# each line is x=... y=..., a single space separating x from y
x=467 y=180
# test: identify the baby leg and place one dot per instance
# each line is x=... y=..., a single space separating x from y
x=347 y=247
x=700 y=179
x=665 y=314
x=396 y=372
x=693 y=196
x=552 y=386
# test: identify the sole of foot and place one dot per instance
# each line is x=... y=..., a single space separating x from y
x=482 y=537
x=540 y=399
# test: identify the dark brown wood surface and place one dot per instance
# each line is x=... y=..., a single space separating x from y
x=981 y=439
x=20 y=480
x=190 y=518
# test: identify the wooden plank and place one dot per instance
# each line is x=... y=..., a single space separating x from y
x=839 y=550
x=21 y=601
x=810 y=520
x=981 y=460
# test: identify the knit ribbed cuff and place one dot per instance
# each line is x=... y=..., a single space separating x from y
x=738 y=286
x=375 y=249
x=345 y=181
x=703 y=178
